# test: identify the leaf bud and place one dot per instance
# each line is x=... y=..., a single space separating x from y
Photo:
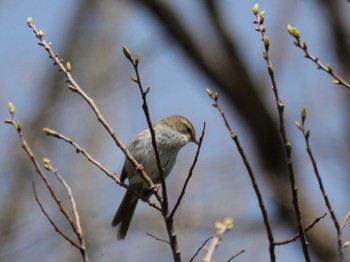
x=29 y=20
x=11 y=108
x=68 y=67
x=255 y=9
x=126 y=52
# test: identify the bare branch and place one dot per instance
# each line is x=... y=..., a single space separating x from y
x=157 y=238
x=251 y=174
x=279 y=243
x=287 y=145
x=169 y=222
x=41 y=173
x=135 y=62
x=77 y=229
x=177 y=204
x=200 y=248
x=306 y=134
x=52 y=222
x=239 y=253
x=48 y=166
x=345 y=220
x=293 y=31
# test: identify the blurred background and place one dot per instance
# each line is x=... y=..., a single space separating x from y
x=185 y=47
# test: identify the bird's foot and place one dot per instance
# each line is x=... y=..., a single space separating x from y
x=154 y=188
x=139 y=168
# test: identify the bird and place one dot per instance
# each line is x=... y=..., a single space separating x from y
x=172 y=133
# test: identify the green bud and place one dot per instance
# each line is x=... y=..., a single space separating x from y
x=68 y=67
x=303 y=114
x=233 y=134
x=134 y=79
x=298 y=125
x=19 y=126
x=290 y=29
x=262 y=14
x=307 y=134
x=229 y=222
x=255 y=9
x=137 y=58
x=304 y=46
x=41 y=33
x=72 y=88
x=29 y=20
x=49 y=132
x=147 y=90
x=329 y=68
x=8 y=121
x=266 y=41
x=336 y=81
x=11 y=108
x=216 y=96
x=295 y=33
x=126 y=53
x=209 y=92
x=46 y=161
x=270 y=70
x=264 y=55
x=346 y=244
x=218 y=226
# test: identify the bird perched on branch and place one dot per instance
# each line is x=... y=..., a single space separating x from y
x=172 y=133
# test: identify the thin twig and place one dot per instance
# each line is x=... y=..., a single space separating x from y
x=306 y=134
x=81 y=150
x=177 y=204
x=200 y=248
x=239 y=253
x=285 y=242
x=287 y=145
x=163 y=199
x=251 y=174
x=137 y=80
x=71 y=241
x=345 y=220
x=157 y=238
x=293 y=31
x=77 y=229
x=48 y=166
x=18 y=126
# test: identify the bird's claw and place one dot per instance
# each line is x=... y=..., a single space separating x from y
x=139 y=168
x=154 y=188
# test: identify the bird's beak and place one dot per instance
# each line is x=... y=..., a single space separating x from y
x=195 y=141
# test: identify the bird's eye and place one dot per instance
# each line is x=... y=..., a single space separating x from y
x=189 y=130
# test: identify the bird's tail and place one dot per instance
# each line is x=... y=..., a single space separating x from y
x=124 y=214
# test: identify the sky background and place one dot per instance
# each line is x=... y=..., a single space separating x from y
x=177 y=87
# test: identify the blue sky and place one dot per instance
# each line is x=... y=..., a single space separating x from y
x=178 y=87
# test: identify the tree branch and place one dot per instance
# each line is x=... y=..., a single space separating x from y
x=283 y=131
